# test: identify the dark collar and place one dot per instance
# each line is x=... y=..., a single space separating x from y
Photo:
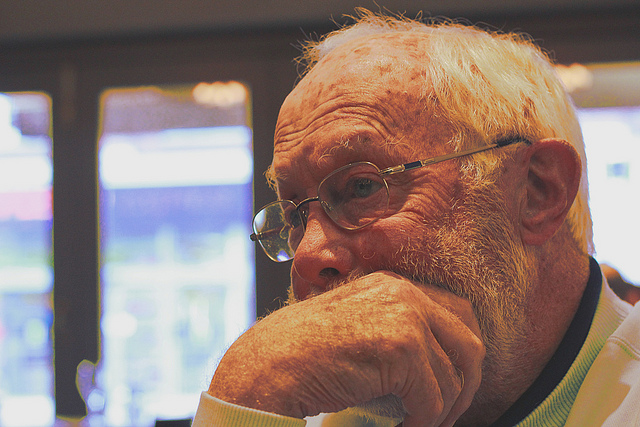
x=564 y=356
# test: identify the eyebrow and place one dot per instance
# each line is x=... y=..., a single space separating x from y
x=343 y=145
x=271 y=177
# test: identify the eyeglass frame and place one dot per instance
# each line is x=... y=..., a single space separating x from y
x=392 y=170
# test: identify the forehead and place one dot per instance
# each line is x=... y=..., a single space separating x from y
x=365 y=98
x=386 y=67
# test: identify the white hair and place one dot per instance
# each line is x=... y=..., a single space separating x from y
x=487 y=85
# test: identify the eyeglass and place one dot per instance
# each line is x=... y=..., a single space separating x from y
x=353 y=196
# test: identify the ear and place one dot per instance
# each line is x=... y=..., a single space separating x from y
x=554 y=171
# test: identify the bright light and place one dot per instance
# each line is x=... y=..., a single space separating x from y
x=9 y=135
x=612 y=142
x=207 y=156
x=23 y=173
x=220 y=94
x=575 y=77
x=27 y=411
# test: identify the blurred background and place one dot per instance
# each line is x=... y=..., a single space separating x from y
x=134 y=136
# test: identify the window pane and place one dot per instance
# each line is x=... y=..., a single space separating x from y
x=177 y=271
x=608 y=97
x=612 y=139
x=26 y=277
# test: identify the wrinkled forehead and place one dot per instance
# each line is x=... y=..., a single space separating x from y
x=370 y=90
x=383 y=75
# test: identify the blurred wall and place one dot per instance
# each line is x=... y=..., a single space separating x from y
x=32 y=20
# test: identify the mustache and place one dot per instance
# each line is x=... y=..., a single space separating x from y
x=407 y=269
x=334 y=284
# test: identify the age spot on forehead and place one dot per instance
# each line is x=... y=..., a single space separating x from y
x=362 y=50
x=385 y=68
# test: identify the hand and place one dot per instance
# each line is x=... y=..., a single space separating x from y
x=378 y=335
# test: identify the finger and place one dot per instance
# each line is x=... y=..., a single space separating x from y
x=434 y=388
x=423 y=402
x=461 y=405
x=454 y=352
x=466 y=352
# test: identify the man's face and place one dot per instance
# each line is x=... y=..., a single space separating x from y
x=361 y=105
x=364 y=102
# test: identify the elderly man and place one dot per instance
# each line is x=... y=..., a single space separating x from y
x=432 y=195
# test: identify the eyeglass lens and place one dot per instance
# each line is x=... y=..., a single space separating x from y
x=353 y=196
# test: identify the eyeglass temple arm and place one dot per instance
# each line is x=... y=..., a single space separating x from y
x=420 y=163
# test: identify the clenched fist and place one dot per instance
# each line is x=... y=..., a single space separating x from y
x=379 y=335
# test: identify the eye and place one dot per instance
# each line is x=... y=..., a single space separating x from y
x=353 y=184
x=354 y=195
x=361 y=187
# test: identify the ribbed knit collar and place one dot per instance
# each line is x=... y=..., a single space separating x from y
x=559 y=366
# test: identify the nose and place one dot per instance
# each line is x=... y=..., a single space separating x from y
x=323 y=256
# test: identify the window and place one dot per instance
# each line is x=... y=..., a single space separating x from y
x=182 y=230
x=608 y=100
x=26 y=274
x=176 y=169
x=612 y=139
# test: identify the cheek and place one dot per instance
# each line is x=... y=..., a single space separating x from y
x=382 y=245
x=425 y=201
x=422 y=212
x=412 y=220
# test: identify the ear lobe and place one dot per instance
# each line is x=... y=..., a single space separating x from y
x=554 y=171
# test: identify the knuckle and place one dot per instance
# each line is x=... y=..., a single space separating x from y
x=438 y=403
x=403 y=344
x=478 y=347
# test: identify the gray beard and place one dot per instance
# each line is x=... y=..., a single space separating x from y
x=477 y=255
x=480 y=257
